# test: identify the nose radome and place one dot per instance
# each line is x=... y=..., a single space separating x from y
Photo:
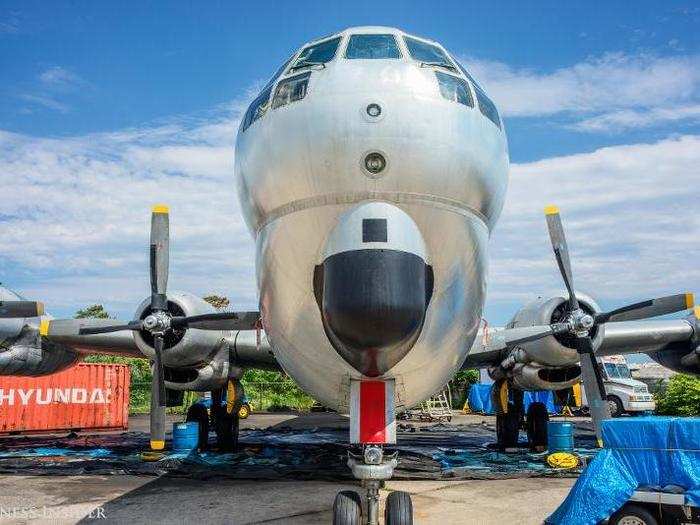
x=373 y=286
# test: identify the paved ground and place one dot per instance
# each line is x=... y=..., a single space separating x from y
x=136 y=499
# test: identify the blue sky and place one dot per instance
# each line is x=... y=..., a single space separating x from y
x=107 y=108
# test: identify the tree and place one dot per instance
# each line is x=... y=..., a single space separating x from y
x=217 y=301
x=681 y=397
x=95 y=311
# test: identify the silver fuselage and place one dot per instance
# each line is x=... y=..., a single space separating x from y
x=299 y=169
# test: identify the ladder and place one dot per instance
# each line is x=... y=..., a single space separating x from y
x=438 y=407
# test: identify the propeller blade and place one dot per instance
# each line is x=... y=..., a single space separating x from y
x=593 y=383
x=159 y=256
x=158 y=398
x=526 y=334
x=651 y=308
x=218 y=321
x=74 y=327
x=92 y=330
x=158 y=374
x=20 y=309
x=561 y=251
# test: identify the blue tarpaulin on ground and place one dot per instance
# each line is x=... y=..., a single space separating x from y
x=648 y=452
x=480 y=399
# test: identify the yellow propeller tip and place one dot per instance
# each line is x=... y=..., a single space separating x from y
x=157 y=444
x=44 y=327
x=551 y=210
x=160 y=208
x=697 y=312
x=689 y=300
x=39 y=309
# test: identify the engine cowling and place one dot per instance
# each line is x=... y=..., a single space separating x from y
x=559 y=350
x=550 y=363
x=193 y=359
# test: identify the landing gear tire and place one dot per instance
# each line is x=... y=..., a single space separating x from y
x=615 y=405
x=398 y=509
x=200 y=414
x=508 y=427
x=537 y=418
x=347 y=508
x=632 y=514
x=226 y=429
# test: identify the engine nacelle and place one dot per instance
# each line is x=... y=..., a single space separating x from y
x=559 y=350
x=538 y=377
x=679 y=359
x=193 y=359
x=25 y=354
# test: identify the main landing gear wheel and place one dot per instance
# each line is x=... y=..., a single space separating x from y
x=226 y=425
x=537 y=418
x=347 y=508
x=198 y=413
x=508 y=427
x=398 y=509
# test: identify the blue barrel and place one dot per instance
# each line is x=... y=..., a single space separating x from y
x=560 y=436
x=185 y=436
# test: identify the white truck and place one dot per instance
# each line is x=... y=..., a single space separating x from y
x=624 y=394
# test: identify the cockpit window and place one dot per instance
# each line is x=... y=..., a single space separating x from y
x=316 y=54
x=291 y=89
x=257 y=108
x=454 y=89
x=428 y=54
x=466 y=74
x=278 y=73
x=372 y=46
x=487 y=108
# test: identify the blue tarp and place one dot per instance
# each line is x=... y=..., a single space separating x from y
x=639 y=452
x=480 y=399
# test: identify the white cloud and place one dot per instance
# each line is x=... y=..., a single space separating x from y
x=620 y=121
x=629 y=216
x=76 y=210
x=610 y=83
x=45 y=101
x=60 y=77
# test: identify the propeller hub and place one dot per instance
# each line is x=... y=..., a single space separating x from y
x=581 y=322
x=157 y=322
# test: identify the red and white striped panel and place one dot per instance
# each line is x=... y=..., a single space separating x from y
x=372 y=414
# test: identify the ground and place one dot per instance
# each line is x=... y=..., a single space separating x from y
x=137 y=499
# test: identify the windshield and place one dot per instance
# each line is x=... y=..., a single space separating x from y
x=617 y=371
x=427 y=53
x=372 y=46
x=487 y=108
x=466 y=74
x=277 y=73
x=317 y=53
x=454 y=89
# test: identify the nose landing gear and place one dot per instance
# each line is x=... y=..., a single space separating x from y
x=372 y=425
x=372 y=468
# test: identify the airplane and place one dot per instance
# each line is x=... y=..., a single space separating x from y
x=371 y=170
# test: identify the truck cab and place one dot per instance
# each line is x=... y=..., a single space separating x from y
x=624 y=394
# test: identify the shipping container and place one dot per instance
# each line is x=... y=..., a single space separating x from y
x=91 y=396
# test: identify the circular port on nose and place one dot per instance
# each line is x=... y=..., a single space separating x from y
x=374 y=110
x=375 y=163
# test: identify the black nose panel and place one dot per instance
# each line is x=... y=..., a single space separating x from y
x=373 y=305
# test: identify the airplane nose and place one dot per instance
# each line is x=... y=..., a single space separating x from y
x=373 y=287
